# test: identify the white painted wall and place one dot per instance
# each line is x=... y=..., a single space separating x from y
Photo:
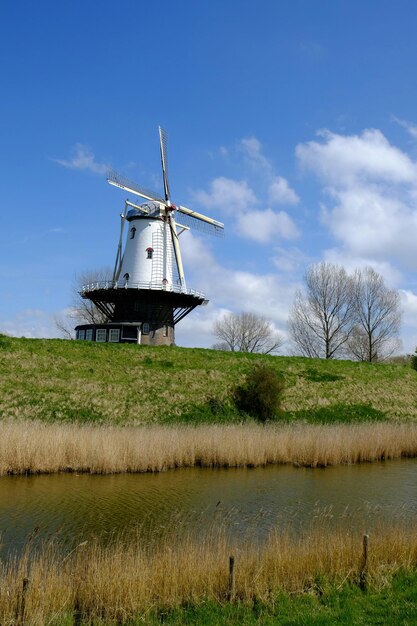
x=151 y=232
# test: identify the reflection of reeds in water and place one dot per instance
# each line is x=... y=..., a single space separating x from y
x=133 y=575
x=37 y=447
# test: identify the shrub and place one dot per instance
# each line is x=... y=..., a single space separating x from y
x=212 y=411
x=261 y=393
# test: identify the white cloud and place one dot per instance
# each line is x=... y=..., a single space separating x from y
x=279 y=190
x=409 y=304
x=410 y=127
x=30 y=323
x=197 y=328
x=237 y=290
x=392 y=276
x=344 y=159
x=374 y=222
x=226 y=195
x=82 y=158
x=237 y=198
x=265 y=226
x=409 y=307
x=281 y=193
x=372 y=189
x=252 y=150
x=290 y=260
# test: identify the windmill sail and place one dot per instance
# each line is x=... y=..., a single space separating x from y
x=199 y=222
x=163 y=143
x=177 y=251
x=113 y=178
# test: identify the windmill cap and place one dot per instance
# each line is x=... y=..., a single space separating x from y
x=151 y=209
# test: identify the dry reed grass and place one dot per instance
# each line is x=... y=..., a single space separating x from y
x=128 y=579
x=36 y=447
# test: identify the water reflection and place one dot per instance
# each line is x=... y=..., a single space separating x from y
x=80 y=506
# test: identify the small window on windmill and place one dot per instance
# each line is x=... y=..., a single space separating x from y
x=89 y=334
x=132 y=232
x=126 y=276
x=81 y=334
x=166 y=330
x=145 y=328
x=149 y=253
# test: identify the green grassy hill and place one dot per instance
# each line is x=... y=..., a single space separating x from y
x=57 y=380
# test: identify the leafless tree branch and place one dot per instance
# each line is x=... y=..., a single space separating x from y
x=247 y=332
x=378 y=317
x=82 y=311
x=321 y=318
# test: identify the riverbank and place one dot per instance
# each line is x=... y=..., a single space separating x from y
x=28 y=447
x=117 y=384
x=138 y=581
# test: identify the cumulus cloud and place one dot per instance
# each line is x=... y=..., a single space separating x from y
x=197 y=328
x=266 y=294
x=371 y=186
x=237 y=198
x=252 y=151
x=82 y=158
x=227 y=195
x=409 y=304
x=409 y=307
x=280 y=192
x=265 y=226
x=347 y=159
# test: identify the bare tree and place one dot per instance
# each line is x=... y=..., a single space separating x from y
x=378 y=317
x=246 y=332
x=85 y=311
x=320 y=322
x=82 y=311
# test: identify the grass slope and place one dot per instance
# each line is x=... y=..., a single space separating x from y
x=57 y=380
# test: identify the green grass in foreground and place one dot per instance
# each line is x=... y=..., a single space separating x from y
x=74 y=381
x=395 y=604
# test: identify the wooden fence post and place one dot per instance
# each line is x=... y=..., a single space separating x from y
x=232 y=581
x=363 y=574
x=77 y=611
x=21 y=606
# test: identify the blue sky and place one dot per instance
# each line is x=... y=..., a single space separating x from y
x=294 y=122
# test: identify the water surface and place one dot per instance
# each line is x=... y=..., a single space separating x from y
x=80 y=506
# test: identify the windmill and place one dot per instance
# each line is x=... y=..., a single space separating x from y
x=147 y=294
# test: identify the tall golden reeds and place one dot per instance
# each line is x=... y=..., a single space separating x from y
x=30 y=447
x=128 y=579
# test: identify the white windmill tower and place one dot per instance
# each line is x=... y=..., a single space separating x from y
x=147 y=295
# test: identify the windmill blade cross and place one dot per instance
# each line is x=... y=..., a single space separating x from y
x=201 y=222
x=163 y=144
x=113 y=178
x=177 y=251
